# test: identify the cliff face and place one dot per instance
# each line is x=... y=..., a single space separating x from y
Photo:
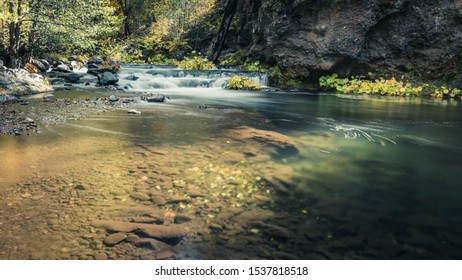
x=314 y=37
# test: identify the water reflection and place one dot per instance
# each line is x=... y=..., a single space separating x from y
x=373 y=178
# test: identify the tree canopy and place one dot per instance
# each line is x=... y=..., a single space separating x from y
x=126 y=30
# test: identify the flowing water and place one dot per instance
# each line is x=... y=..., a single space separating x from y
x=372 y=178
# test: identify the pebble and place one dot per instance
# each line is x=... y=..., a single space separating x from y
x=140 y=196
x=216 y=227
x=114 y=239
x=180 y=219
x=100 y=256
x=178 y=199
x=79 y=187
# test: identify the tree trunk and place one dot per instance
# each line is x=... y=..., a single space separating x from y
x=219 y=40
x=14 y=29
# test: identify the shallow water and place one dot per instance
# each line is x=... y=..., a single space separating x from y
x=374 y=178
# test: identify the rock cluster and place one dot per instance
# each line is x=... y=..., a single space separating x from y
x=21 y=82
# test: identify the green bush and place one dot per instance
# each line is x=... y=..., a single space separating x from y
x=161 y=59
x=195 y=62
x=242 y=83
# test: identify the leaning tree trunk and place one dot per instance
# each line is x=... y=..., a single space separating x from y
x=219 y=40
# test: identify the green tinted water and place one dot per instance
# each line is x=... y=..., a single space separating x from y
x=373 y=178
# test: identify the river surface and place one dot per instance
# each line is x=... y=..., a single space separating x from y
x=371 y=178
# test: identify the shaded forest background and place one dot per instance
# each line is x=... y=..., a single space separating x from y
x=134 y=31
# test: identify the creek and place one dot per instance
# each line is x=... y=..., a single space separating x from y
x=371 y=178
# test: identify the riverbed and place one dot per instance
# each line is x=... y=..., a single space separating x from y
x=366 y=178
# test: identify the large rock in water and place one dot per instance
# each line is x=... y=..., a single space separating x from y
x=107 y=78
x=310 y=38
x=273 y=138
x=153 y=97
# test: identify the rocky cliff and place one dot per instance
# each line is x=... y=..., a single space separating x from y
x=314 y=37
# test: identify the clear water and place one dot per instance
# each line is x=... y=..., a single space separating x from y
x=374 y=178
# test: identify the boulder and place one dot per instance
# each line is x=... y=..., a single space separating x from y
x=113 y=98
x=98 y=71
x=95 y=60
x=62 y=68
x=153 y=97
x=107 y=78
x=22 y=82
x=73 y=78
x=39 y=65
x=45 y=63
x=132 y=78
x=48 y=97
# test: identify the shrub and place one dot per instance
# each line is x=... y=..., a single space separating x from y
x=360 y=86
x=195 y=62
x=161 y=59
x=30 y=68
x=254 y=66
x=242 y=83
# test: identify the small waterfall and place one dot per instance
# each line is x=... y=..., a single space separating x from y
x=145 y=78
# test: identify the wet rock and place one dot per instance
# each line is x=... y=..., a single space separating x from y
x=96 y=61
x=127 y=100
x=23 y=82
x=216 y=227
x=113 y=98
x=79 y=187
x=140 y=196
x=107 y=78
x=273 y=138
x=181 y=219
x=48 y=97
x=147 y=220
x=62 y=68
x=100 y=256
x=45 y=63
x=168 y=234
x=39 y=65
x=134 y=112
x=160 y=201
x=195 y=193
x=28 y=121
x=153 y=97
x=73 y=78
x=132 y=238
x=178 y=199
x=132 y=78
x=114 y=239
